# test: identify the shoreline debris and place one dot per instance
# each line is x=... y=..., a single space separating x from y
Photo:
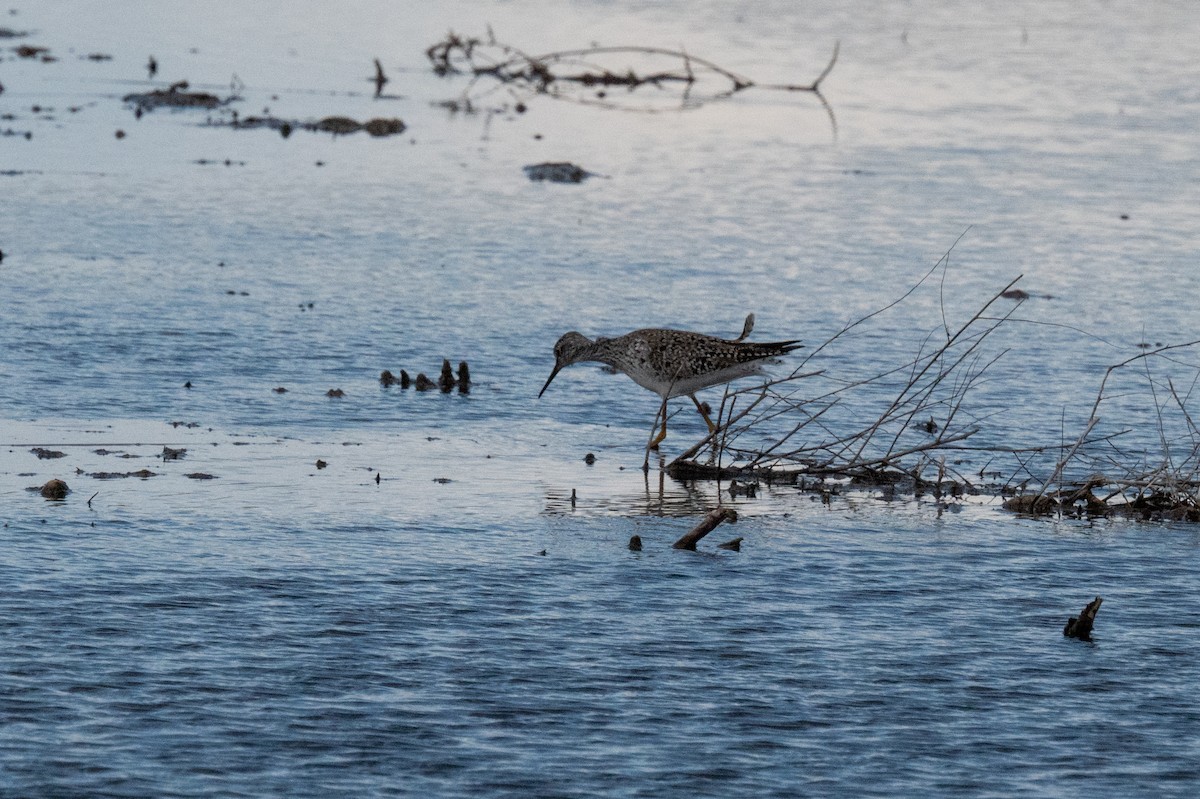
x=337 y=125
x=44 y=454
x=175 y=96
x=141 y=473
x=588 y=75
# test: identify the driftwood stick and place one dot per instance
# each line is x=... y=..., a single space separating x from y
x=710 y=523
x=1081 y=627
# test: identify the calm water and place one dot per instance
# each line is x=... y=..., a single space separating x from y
x=293 y=631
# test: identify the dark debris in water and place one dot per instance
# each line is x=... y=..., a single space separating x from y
x=140 y=473
x=30 y=51
x=447 y=380
x=200 y=476
x=175 y=96
x=44 y=454
x=558 y=172
x=337 y=125
x=1081 y=626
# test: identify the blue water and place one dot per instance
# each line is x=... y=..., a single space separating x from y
x=389 y=624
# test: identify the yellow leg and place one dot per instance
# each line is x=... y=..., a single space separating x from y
x=712 y=428
x=658 y=439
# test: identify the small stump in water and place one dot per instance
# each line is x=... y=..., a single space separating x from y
x=446 y=380
x=1081 y=626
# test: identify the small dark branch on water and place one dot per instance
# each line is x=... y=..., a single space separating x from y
x=380 y=78
x=582 y=75
x=710 y=523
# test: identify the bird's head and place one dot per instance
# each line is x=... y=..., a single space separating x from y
x=569 y=349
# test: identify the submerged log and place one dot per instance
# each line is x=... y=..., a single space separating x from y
x=710 y=523
x=1081 y=626
x=1036 y=504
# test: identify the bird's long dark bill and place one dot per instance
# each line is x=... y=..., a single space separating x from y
x=548 y=379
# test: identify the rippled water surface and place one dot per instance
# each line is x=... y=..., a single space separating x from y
x=448 y=606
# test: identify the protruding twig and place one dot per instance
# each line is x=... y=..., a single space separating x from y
x=380 y=78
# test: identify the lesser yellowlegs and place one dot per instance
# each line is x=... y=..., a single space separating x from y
x=672 y=363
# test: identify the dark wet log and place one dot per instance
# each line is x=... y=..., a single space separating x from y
x=177 y=96
x=140 y=473
x=710 y=523
x=1031 y=503
x=47 y=454
x=1081 y=626
x=384 y=127
x=691 y=470
x=338 y=125
x=55 y=489
x=557 y=172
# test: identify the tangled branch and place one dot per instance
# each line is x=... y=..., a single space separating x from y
x=588 y=75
